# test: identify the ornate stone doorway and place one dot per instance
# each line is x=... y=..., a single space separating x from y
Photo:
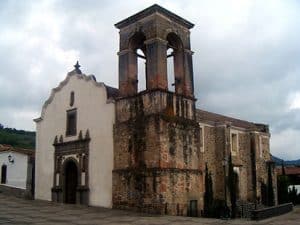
x=71 y=182
x=71 y=170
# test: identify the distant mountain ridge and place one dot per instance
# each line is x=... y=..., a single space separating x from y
x=17 y=138
x=278 y=161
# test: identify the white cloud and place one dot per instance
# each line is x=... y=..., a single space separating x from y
x=21 y=118
x=246 y=59
x=294 y=101
x=285 y=144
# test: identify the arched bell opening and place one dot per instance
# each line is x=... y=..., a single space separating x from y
x=175 y=60
x=141 y=70
x=170 y=70
x=137 y=66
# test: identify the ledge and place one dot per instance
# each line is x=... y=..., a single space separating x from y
x=265 y=213
x=156 y=169
x=14 y=191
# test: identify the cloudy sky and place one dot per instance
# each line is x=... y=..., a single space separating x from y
x=246 y=61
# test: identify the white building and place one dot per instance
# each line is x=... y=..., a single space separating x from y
x=74 y=142
x=16 y=170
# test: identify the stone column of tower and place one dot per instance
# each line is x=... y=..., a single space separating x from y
x=157 y=160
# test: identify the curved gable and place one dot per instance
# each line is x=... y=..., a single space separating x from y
x=88 y=78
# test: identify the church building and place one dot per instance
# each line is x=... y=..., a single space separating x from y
x=146 y=150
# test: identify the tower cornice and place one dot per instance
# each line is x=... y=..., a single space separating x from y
x=151 y=10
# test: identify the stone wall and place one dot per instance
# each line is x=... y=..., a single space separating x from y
x=9 y=190
x=214 y=145
x=261 y=214
x=243 y=161
x=157 y=160
x=154 y=102
x=217 y=145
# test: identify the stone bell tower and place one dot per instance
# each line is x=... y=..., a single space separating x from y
x=157 y=160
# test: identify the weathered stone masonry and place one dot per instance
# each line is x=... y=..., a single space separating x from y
x=251 y=160
x=157 y=157
x=161 y=141
x=157 y=160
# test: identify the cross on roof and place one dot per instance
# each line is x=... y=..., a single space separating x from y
x=77 y=66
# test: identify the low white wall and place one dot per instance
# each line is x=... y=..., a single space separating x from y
x=16 y=171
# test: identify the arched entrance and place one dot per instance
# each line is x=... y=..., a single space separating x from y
x=3 y=174
x=71 y=170
x=71 y=182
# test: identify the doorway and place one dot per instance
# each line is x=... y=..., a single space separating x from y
x=193 y=208
x=71 y=181
x=3 y=174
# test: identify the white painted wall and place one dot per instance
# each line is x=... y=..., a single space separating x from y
x=17 y=171
x=95 y=113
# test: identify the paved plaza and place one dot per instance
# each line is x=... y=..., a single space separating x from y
x=19 y=211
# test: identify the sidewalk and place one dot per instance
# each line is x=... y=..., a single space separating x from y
x=19 y=211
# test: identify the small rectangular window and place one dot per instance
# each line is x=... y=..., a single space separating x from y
x=71 y=122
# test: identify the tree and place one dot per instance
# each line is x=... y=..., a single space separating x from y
x=232 y=185
x=208 y=195
x=293 y=196
x=270 y=191
x=282 y=189
x=282 y=186
x=282 y=168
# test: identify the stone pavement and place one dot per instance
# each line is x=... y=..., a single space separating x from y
x=15 y=211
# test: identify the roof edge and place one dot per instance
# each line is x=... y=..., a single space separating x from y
x=9 y=148
x=88 y=78
x=151 y=10
x=228 y=119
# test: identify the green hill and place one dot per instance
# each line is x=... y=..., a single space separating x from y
x=17 y=138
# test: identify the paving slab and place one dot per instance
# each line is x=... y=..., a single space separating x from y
x=14 y=211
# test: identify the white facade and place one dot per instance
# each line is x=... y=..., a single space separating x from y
x=16 y=168
x=95 y=113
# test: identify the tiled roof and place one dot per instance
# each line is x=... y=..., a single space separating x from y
x=5 y=148
x=289 y=170
x=205 y=116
